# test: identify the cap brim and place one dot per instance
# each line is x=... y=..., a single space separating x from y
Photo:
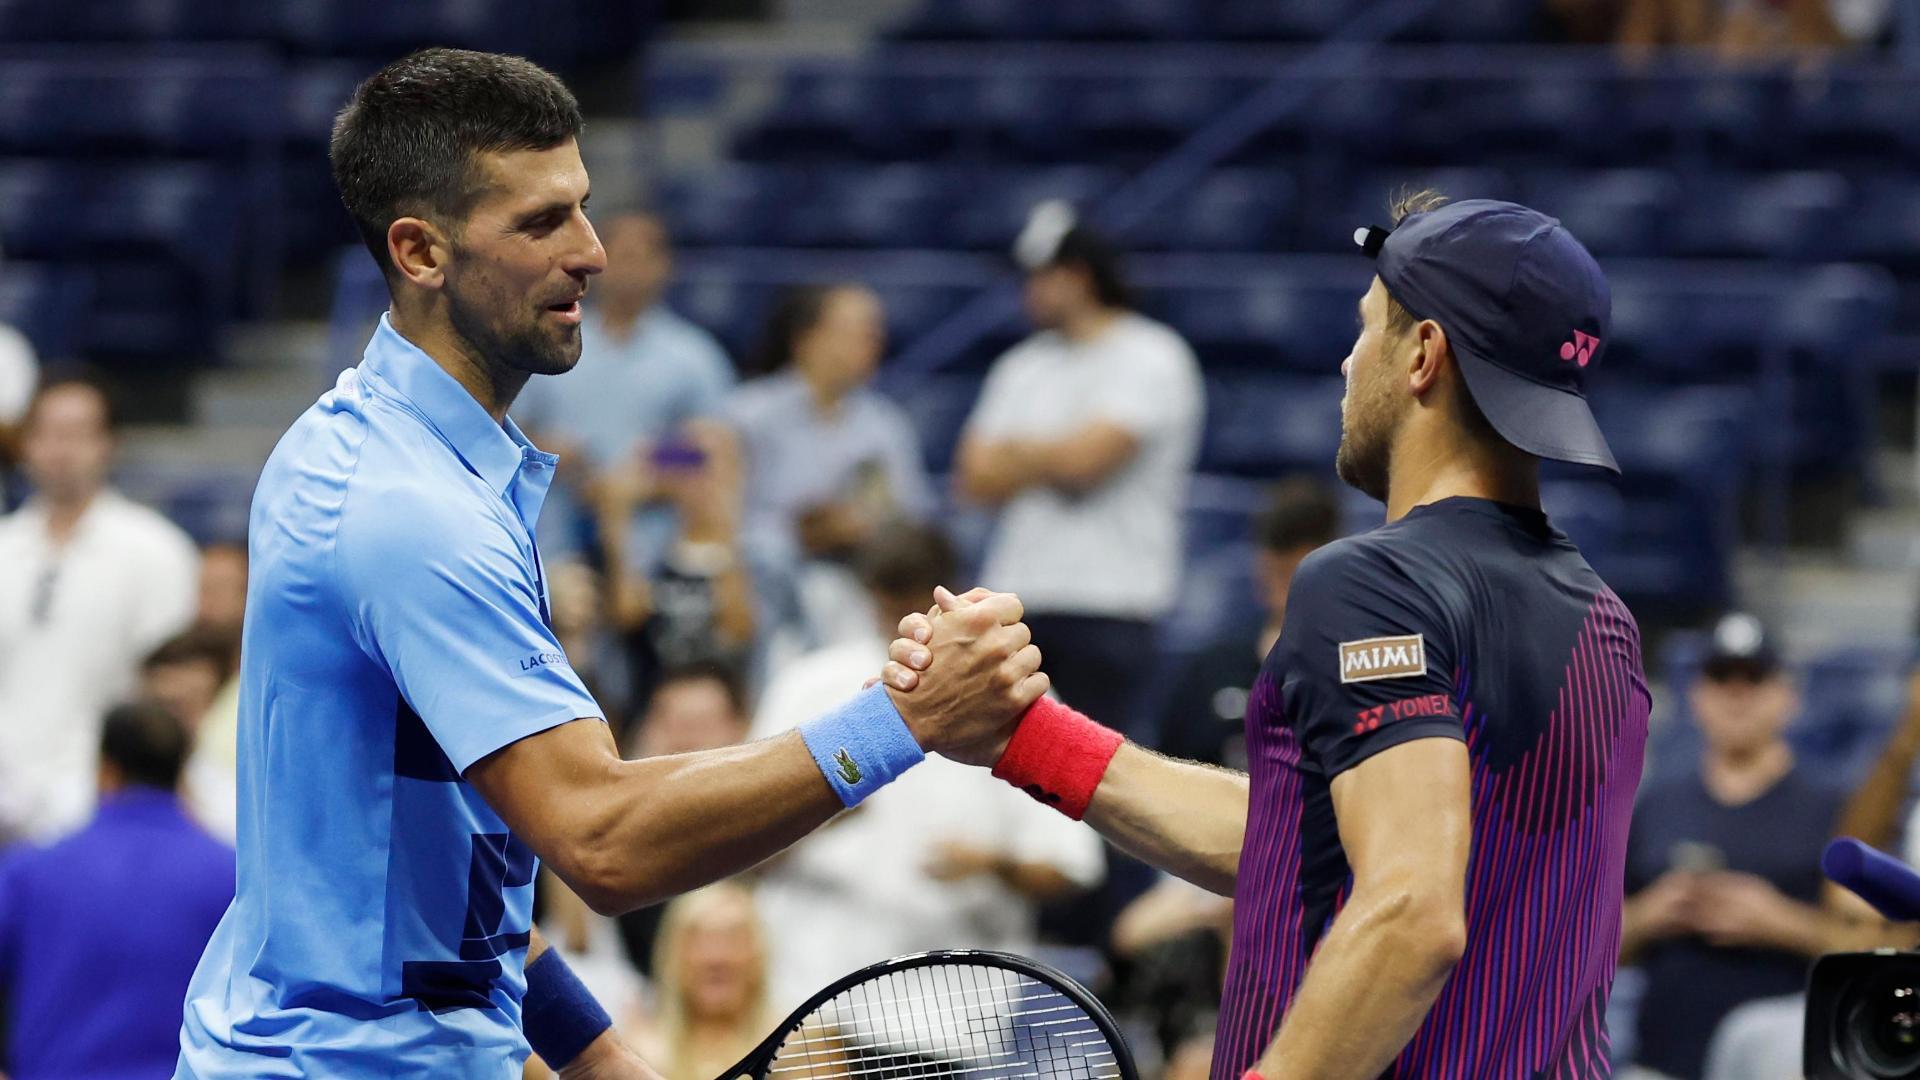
x=1542 y=420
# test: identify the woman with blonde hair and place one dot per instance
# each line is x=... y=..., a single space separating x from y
x=710 y=984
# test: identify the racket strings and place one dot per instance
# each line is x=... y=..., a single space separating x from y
x=948 y=1020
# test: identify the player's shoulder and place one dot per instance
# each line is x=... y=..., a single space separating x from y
x=1371 y=573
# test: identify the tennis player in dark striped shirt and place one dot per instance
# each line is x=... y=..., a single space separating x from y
x=1426 y=858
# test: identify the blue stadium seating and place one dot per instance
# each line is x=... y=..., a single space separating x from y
x=47 y=303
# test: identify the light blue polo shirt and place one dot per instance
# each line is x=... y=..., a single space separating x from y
x=396 y=633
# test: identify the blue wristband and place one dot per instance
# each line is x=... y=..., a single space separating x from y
x=559 y=1017
x=861 y=745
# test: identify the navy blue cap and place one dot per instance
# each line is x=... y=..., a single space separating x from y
x=1526 y=311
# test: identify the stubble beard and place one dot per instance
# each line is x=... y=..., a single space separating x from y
x=515 y=352
x=1364 y=459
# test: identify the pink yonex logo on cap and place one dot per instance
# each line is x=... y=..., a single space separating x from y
x=1581 y=349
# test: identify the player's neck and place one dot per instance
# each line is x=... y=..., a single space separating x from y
x=1735 y=779
x=492 y=387
x=1427 y=470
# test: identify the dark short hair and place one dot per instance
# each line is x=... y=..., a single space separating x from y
x=1403 y=203
x=406 y=142
x=199 y=645
x=148 y=744
x=1094 y=253
x=1301 y=511
x=81 y=380
x=715 y=671
x=906 y=557
x=798 y=311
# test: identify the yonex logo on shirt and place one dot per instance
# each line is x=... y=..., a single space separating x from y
x=1382 y=658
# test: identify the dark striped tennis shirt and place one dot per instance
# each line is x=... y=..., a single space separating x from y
x=1468 y=620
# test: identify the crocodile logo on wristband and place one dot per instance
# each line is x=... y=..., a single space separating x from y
x=848 y=768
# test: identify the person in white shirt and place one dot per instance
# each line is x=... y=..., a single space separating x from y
x=1084 y=438
x=90 y=582
x=944 y=857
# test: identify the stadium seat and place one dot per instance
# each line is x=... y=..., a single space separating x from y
x=1612 y=211
x=47 y=303
x=1243 y=209
x=1266 y=425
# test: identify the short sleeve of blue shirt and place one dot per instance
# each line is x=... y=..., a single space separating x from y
x=1365 y=660
x=451 y=606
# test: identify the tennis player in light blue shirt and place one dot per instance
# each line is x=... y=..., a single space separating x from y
x=412 y=739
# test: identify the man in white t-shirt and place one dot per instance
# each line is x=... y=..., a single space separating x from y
x=1084 y=438
x=944 y=857
x=90 y=582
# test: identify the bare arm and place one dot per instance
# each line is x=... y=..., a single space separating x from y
x=1873 y=813
x=993 y=471
x=1186 y=818
x=1405 y=823
x=623 y=834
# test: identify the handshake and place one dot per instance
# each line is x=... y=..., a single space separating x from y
x=964 y=673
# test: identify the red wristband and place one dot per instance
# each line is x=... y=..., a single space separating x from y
x=1252 y=1074
x=1058 y=756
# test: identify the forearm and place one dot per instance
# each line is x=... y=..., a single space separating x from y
x=1863 y=935
x=1037 y=881
x=1183 y=817
x=1873 y=813
x=993 y=472
x=1366 y=991
x=670 y=824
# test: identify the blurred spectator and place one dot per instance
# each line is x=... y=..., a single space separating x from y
x=828 y=458
x=1723 y=863
x=99 y=933
x=644 y=372
x=223 y=589
x=967 y=858
x=90 y=582
x=1172 y=940
x=1084 y=438
x=185 y=673
x=577 y=599
x=211 y=787
x=1741 y=29
x=1206 y=712
x=698 y=706
x=696 y=601
x=192 y=676
x=710 y=984
x=1761 y=1040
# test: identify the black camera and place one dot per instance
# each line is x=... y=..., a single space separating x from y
x=1863 y=1017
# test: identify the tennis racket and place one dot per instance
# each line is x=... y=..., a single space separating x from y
x=952 y=1013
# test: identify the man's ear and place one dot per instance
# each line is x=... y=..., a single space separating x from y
x=1428 y=356
x=419 y=251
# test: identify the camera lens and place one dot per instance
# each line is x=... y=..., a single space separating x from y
x=1882 y=1027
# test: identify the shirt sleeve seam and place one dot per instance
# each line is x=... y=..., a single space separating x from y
x=547 y=721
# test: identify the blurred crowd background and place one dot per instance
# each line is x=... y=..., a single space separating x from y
x=1045 y=296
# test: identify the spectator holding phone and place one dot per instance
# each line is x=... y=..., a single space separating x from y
x=695 y=601
x=1723 y=862
x=827 y=457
